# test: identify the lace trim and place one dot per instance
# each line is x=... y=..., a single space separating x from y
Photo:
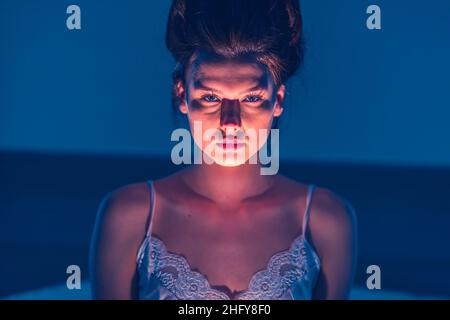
x=174 y=273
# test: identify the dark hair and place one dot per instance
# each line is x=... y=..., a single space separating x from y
x=271 y=30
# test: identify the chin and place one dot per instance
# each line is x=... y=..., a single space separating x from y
x=231 y=161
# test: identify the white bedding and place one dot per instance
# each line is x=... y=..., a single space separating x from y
x=60 y=292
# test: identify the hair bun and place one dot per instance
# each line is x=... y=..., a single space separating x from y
x=271 y=30
x=295 y=20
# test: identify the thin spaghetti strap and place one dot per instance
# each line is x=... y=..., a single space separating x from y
x=152 y=207
x=311 y=189
x=144 y=245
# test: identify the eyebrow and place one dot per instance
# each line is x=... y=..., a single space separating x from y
x=200 y=86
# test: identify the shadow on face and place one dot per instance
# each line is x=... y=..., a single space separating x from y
x=230 y=100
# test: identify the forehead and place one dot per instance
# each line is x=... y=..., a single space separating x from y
x=212 y=71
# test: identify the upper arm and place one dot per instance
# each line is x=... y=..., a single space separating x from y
x=119 y=230
x=333 y=229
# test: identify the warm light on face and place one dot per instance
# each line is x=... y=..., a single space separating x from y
x=225 y=151
x=232 y=100
x=229 y=148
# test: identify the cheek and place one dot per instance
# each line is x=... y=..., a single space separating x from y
x=268 y=106
x=197 y=114
x=197 y=110
x=259 y=117
x=202 y=119
x=194 y=106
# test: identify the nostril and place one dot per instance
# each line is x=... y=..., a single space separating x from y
x=230 y=118
x=233 y=121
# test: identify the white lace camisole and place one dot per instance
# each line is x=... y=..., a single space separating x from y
x=290 y=274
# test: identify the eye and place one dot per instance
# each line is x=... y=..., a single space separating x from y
x=210 y=98
x=253 y=98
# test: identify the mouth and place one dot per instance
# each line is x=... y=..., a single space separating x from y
x=231 y=144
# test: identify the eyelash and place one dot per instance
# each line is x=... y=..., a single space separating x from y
x=259 y=96
x=209 y=95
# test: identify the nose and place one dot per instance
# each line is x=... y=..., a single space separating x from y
x=230 y=114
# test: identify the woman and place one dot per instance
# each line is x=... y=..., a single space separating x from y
x=222 y=229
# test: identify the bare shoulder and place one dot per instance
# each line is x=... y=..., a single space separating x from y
x=333 y=232
x=332 y=223
x=332 y=217
x=134 y=198
x=125 y=210
x=119 y=230
x=331 y=208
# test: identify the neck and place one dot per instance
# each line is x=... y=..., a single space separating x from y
x=228 y=185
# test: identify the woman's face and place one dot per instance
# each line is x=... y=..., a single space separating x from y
x=230 y=105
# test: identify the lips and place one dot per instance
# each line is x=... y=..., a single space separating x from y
x=231 y=144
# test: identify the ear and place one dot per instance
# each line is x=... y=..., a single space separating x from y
x=279 y=101
x=181 y=94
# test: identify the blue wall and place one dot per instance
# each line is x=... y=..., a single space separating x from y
x=363 y=96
